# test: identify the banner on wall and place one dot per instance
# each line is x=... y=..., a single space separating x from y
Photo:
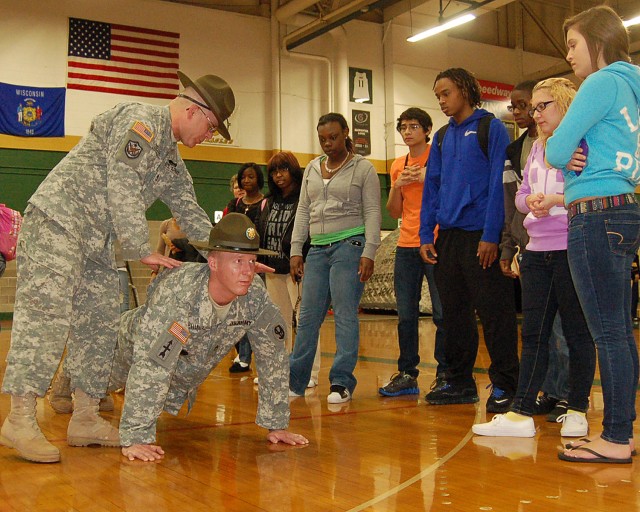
x=32 y=111
x=121 y=59
x=361 y=123
x=496 y=97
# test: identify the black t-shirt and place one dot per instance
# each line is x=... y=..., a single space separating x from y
x=280 y=214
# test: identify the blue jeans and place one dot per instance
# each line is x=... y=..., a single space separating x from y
x=556 y=383
x=330 y=278
x=547 y=288
x=409 y=270
x=601 y=248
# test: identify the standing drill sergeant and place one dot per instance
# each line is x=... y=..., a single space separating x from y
x=67 y=288
x=192 y=317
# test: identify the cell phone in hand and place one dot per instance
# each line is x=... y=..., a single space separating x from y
x=585 y=151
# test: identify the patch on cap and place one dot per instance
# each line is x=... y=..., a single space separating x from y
x=251 y=233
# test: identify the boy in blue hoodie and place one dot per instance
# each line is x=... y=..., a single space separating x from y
x=463 y=194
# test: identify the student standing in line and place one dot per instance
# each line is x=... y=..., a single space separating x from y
x=547 y=286
x=251 y=180
x=464 y=196
x=555 y=389
x=604 y=225
x=275 y=226
x=340 y=208
x=405 y=197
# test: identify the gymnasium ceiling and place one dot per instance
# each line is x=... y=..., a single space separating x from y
x=531 y=25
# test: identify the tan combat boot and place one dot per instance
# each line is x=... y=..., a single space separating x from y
x=20 y=430
x=60 y=394
x=86 y=426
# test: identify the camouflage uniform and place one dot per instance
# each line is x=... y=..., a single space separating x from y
x=162 y=371
x=67 y=277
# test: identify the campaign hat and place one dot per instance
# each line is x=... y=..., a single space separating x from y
x=218 y=96
x=234 y=233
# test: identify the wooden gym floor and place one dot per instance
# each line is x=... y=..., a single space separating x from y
x=375 y=454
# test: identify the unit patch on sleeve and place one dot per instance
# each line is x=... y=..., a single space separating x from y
x=279 y=332
x=143 y=130
x=166 y=351
x=132 y=149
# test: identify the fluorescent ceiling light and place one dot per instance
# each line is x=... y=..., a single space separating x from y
x=632 y=21
x=441 y=28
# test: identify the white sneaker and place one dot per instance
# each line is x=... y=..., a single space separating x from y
x=339 y=394
x=312 y=384
x=501 y=426
x=573 y=425
x=255 y=381
x=293 y=394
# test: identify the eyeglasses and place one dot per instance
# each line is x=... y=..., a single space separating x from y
x=212 y=127
x=521 y=106
x=540 y=107
x=279 y=170
x=409 y=127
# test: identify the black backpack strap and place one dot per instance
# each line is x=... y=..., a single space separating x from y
x=484 y=125
x=440 y=133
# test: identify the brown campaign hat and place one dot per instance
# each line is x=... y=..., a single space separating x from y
x=234 y=233
x=217 y=95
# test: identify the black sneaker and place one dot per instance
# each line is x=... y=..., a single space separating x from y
x=401 y=384
x=239 y=367
x=498 y=402
x=544 y=404
x=560 y=409
x=446 y=393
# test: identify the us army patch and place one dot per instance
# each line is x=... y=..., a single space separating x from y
x=179 y=332
x=166 y=350
x=132 y=149
x=143 y=130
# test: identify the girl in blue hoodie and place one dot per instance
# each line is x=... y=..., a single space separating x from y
x=604 y=225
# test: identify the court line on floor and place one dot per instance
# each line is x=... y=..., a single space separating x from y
x=425 y=472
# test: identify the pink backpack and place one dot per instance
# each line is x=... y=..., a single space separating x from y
x=10 y=222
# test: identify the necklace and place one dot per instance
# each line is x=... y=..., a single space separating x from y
x=331 y=171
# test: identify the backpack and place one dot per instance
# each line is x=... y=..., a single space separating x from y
x=10 y=222
x=483 y=133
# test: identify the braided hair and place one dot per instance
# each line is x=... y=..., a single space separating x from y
x=466 y=82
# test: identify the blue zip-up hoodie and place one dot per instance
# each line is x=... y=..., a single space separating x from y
x=605 y=112
x=463 y=188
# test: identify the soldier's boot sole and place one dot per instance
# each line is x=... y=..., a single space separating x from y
x=30 y=445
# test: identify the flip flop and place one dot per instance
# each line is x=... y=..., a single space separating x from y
x=585 y=440
x=598 y=457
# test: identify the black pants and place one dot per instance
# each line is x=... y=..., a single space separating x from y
x=466 y=289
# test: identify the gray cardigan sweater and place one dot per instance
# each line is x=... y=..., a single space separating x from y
x=350 y=199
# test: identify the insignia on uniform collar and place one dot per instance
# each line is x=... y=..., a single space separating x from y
x=179 y=332
x=251 y=233
x=143 y=130
x=279 y=331
x=133 y=149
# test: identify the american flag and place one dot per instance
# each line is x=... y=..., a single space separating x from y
x=120 y=59
x=179 y=332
